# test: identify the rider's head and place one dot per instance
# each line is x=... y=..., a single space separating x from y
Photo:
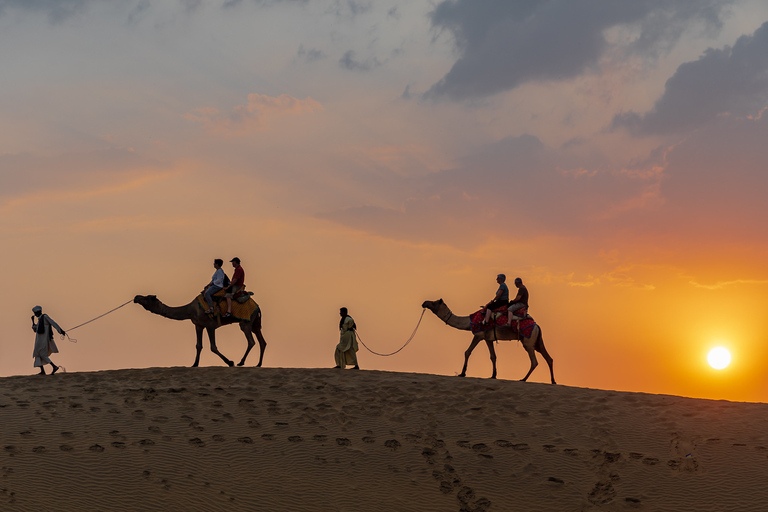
x=501 y=278
x=518 y=281
x=218 y=262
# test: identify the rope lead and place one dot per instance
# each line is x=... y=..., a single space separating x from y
x=401 y=348
x=73 y=340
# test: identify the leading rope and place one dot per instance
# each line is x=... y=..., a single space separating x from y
x=401 y=348
x=73 y=340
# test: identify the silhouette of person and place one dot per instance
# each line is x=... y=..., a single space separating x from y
x=347 y=347
x=44 y=344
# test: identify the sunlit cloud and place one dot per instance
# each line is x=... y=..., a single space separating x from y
x=256 y=115
x=724 y=284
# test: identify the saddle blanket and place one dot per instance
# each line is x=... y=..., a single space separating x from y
x=499 y=320
x=239 y=311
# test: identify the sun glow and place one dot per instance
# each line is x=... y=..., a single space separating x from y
x=719 y=358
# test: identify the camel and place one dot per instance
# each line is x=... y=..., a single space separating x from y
x=194 y=312
x=532 y=344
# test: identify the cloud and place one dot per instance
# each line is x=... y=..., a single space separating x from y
x=310 y=55
x=350 y=62
x=256 y=115
x=731 y=80
x=504 y=44
x=515 y=187
x=723 y=284
x=57 y=10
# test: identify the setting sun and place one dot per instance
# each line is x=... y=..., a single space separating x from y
x=719 y=358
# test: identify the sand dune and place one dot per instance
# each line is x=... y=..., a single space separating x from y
x=296 y=439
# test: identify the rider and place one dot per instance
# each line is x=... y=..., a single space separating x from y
x=501 y=298
x=237 y=284
x=520 y=301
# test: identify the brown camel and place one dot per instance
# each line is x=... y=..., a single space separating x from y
x=193 y=311
x=534 y=343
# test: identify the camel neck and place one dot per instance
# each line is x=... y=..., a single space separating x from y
x=176 y=312
x=457 y=322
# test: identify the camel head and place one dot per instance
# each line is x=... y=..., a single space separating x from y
x=433 y=305
x=147 y=301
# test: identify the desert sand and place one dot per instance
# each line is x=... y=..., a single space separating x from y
x=295 y=439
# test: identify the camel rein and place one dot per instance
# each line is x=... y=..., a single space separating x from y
x=73 y=340
x=401 y=348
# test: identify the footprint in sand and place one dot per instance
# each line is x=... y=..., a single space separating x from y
x=549 y=448
x=119 y=444
x=66 y=448
x=96 y=448
x=369 y=439
x=218 y=438
x=146 y=442
x=480 y=448
x=320 y=438
x=429 y=455
x=248 y=440
x=343 y=441
x=39 y=449
x=268 y=437
x=295 y=439
x=393 y=444
x=601 y=493
x=197 y=442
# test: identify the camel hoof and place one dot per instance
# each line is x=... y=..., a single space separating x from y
x=493 y=376
x=241 y=363
x=230 y=364
x=462 y=375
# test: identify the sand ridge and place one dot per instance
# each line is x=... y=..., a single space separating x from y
x=330 y=440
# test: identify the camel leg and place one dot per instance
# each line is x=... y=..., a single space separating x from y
x=468 y=353
x=492 y=350
x=246 y=328
x=543 y=351
x=212 y=338
x=199 y=346
x=262 y=342
x=534 y=362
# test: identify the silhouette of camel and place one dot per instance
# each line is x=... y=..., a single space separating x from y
x=194 y=312
x=532 y=344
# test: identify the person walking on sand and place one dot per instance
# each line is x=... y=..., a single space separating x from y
x=347 y=347
x=44 y=344
x=216 y=284
x=237 y=284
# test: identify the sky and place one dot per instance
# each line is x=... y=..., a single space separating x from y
x=374 y=155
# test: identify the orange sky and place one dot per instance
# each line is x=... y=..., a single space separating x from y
x=376 y=155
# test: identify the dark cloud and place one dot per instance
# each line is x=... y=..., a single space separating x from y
x=56 y=10
x=350 y=61
x=504 y=44
x=310 y=55
x=730 y=80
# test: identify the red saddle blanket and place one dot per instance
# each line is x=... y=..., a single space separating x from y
x=476 y=321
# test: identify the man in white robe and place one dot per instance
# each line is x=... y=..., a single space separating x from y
x=347 y=347
x=44 y=344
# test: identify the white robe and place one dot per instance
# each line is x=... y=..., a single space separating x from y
x=44 y=344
